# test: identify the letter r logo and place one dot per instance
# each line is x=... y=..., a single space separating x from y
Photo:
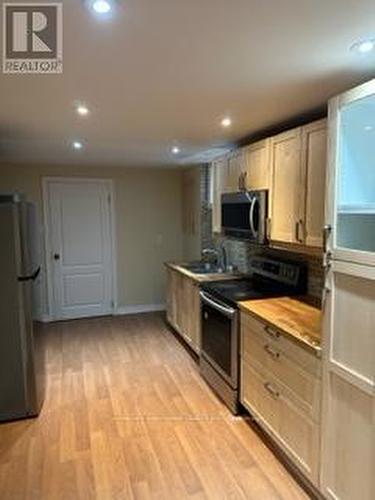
x=31 y=31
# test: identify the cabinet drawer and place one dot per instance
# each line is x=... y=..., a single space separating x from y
x=301 y=386
x=254 y=397
x=280 y=342
x=293 y=430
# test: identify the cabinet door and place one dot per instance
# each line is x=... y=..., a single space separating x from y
x=192 y=308
x=188 y=311
x=314 y=146
x=169 y=297
x=219 y=175
x=176 y=299
x=257 y=164
x=173 y=297
x=288 y=187
x=350 y=200
x=348 y=456
x=293 y=430
x=235 y=169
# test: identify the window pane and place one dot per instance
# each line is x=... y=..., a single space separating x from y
x=356 y=183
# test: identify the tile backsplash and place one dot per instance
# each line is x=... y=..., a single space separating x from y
x=241 y=252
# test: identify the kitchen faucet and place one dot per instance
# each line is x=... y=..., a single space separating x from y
x=220 y=254
x=211 y=251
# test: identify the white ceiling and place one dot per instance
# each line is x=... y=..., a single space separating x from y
x=166 y=71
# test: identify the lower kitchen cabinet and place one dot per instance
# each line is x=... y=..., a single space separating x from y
x=183 y=307
x=281 y=388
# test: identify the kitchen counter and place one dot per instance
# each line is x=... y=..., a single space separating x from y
x=201 y=278
x=291 y=316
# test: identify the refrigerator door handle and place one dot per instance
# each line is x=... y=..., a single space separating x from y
x=31 y=277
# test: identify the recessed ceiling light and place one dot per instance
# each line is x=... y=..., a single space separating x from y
x=77 y=145
x=82 y=110
x=368 y=128
x=226 y=122
x=102 y=6
x=176 y=150
x=364 y=46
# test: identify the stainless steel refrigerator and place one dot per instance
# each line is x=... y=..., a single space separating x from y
x=22 y=360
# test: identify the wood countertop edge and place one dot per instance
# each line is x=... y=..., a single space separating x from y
x=317 y=350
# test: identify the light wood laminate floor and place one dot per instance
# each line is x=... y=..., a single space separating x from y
x=127 y=415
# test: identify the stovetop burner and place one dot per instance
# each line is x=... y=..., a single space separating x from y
x=270 y=278
x=232 y=292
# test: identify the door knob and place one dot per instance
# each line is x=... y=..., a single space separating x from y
x=56 y=256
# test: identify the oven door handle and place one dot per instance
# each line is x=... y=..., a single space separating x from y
x=227 y=311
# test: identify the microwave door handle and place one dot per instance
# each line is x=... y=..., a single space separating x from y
x=227 y=311
x=252 y=208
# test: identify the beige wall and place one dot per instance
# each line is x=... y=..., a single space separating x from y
x=148 y=221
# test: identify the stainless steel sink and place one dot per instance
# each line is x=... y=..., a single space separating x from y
x=203 y=268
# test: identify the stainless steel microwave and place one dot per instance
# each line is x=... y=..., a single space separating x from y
x=244 y=215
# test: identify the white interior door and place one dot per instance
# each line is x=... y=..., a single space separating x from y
x=79 y=247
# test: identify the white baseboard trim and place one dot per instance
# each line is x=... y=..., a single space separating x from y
x=123 y=310
x=120 y=311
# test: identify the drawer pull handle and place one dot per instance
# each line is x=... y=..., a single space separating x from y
x=271 y=332
x=274 y=393
x=274 y=354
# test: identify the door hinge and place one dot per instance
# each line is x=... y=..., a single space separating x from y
x=327 y=230
x=109 y=199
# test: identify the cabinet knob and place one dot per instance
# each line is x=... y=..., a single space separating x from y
x=274 y=393
x=272 y=333
x=299 y=225
x=274 y=354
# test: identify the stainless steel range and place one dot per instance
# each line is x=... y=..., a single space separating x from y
x=220 y=319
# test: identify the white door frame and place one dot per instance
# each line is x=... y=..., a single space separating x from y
x=46 y=181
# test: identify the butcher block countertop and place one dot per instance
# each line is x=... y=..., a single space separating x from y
x=291 y=316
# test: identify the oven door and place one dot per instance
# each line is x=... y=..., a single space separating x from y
x=220 y=337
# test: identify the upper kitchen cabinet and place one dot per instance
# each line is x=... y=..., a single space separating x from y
x=257 y=165
x=235 y=169
x=314 y=158
x=351 y=197
x=298 y=163
x=287 y=187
